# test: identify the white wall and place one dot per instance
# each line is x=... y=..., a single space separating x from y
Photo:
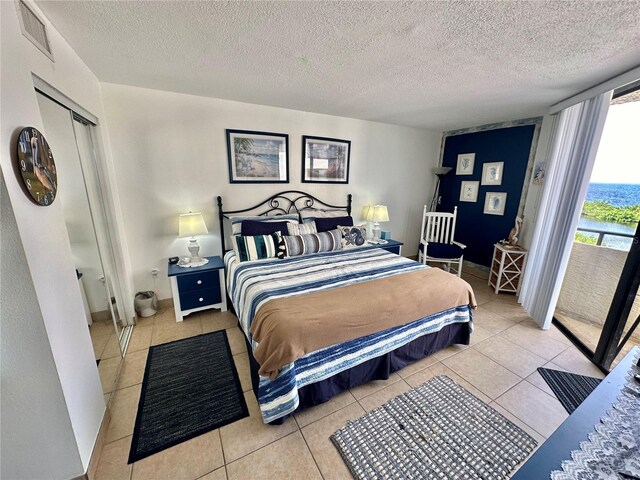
x=37 y=436
x=169 y=153
x=588 y=288
x=49 y=260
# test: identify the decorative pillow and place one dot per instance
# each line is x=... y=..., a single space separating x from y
x=253 y=227
x=353 y=236
x=331 y=223
x=236 y=222
x=313 y=243
x=309 y=214
x=302 y=228
x=258 y=247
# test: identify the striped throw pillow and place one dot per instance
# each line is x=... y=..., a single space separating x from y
x=302 y=228
x=236 y=222
x=313 y=243
x=258 y=247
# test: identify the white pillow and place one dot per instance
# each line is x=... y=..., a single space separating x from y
x=302 y=228
x=309 y=214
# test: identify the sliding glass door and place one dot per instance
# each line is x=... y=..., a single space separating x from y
x=598 y=306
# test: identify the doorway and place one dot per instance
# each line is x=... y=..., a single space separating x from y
x=81 y=193
x=598 y=306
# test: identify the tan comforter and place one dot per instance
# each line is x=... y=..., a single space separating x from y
x=289 y=328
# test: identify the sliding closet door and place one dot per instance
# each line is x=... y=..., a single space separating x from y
x=86 y=150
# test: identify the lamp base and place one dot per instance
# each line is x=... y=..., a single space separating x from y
x=194 y=249
x=191 y=264
x=376 y=231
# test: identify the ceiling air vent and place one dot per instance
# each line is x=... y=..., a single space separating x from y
x=33 y=28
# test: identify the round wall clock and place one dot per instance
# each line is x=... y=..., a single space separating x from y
x=37 y=166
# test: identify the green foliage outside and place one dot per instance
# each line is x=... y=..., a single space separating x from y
x=582 y=238
x=606 y=212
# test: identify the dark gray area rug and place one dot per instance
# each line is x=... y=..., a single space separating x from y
x=190 y=387
x=570 y=388
x=436 y=431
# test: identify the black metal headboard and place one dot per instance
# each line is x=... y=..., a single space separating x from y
x=282 y=203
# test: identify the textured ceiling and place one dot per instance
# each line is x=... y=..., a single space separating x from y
x=438 y=65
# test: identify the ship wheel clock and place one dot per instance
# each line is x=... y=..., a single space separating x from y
x=37 y=167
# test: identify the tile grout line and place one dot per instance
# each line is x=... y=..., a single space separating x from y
x=309 y=448
x=512 y=413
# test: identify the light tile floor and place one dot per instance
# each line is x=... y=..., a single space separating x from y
x=499 y=368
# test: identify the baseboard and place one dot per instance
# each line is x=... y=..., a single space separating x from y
x=97 y=447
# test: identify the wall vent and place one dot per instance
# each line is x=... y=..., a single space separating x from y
x=33 y=28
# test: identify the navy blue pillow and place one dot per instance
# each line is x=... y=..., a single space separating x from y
x=330 y=223
x=254 y=227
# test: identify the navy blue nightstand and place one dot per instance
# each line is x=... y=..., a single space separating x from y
x=198 y=288
x=392 y=246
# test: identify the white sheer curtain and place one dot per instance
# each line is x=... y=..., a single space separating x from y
x=575 y=142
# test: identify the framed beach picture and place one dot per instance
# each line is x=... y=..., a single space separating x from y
x=494 y=203
x=492 y=173
x=469 y=191
x=258 y=157
x=325 y=160
x=465 y=164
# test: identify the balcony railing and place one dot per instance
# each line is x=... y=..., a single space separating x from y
x=602 y=233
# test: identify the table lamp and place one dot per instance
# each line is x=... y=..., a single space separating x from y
x=190 y=225
x=376 y=214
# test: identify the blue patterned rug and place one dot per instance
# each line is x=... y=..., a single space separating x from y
x=190 y=387
x=435 y=431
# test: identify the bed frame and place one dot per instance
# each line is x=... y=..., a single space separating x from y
x=282 y=203
x=379 y=368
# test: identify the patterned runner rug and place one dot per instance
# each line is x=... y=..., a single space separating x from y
x=570 y=388
x=436 y=431
x=190 y=387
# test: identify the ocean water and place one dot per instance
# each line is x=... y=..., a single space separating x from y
x=618 y=195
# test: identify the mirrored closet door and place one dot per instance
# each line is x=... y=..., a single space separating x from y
x=81 y=195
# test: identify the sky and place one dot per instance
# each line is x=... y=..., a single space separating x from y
x=618 y=158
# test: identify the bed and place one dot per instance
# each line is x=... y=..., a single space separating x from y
x=318 y=324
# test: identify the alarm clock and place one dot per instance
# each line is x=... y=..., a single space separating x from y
x=37 y=166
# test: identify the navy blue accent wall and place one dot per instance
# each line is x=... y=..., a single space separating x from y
x=474 y=228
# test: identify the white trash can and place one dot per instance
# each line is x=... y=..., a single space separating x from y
x=146 y=303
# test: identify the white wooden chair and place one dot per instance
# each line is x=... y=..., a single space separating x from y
x=436 y=240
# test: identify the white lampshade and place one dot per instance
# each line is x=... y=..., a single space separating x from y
x=377 y=213
x=191 y=224
x=365 y=212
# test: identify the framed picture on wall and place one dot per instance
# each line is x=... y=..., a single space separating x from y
x=469 y=191
x=465 y=164
x=492 y=173
x=325 y=160
x=258 y=157
x=494 y=203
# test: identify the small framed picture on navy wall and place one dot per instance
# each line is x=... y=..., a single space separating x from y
x=465 y=164
x=494 y=203
x=492 y=173
x=469 y=191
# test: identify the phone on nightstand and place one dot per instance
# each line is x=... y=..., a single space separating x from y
x=173 y=260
